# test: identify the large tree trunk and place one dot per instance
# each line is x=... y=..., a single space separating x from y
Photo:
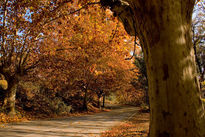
x=12 y=100
x=164 y=29
x=176 y=108
x=10 y=97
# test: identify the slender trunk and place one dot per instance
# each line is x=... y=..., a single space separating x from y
x=146 y=91
x=197 y=59
x=198 y=63
x=99 y=104
x=85 y=106
x=103 y=101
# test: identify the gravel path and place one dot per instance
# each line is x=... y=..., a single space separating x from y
x=81 y=126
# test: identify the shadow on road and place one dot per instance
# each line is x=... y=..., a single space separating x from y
x=89 y=125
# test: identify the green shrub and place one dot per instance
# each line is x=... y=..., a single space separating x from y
x=58 y=106
x=32 y=96
x=111 y=98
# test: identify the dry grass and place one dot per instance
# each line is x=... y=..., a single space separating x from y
x=137 y=126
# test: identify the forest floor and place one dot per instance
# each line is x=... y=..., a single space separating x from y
x=87 y=125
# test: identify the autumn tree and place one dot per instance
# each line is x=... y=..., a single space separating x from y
x=164 y=30
x=112 y=77
x=79 y=45
x=21 y=28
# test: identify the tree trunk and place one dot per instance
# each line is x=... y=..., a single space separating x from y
x=85 y=105
x=99 y=104
x=164 y=29
x=176 y=107
x=10 y=98
x=103 y=101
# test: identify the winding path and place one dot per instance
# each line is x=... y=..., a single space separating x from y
x=81 y=126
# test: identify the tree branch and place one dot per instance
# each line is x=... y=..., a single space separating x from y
x=72 y=12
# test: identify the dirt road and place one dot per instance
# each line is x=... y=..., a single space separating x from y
x=82 y=126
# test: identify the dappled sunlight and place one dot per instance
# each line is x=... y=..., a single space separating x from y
x=181 y=39
x=187 y=73
x=189 y=68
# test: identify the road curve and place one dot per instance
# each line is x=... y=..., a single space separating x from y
x=81 y=126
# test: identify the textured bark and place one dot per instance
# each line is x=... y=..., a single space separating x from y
x=176 y=108
x=10 y=99
x=164 y=29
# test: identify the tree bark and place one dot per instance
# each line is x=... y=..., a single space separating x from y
x=176 y=108
x=164 y=29
x=10 y=98
x=103 y=101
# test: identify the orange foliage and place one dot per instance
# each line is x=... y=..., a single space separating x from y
x=86 y=47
